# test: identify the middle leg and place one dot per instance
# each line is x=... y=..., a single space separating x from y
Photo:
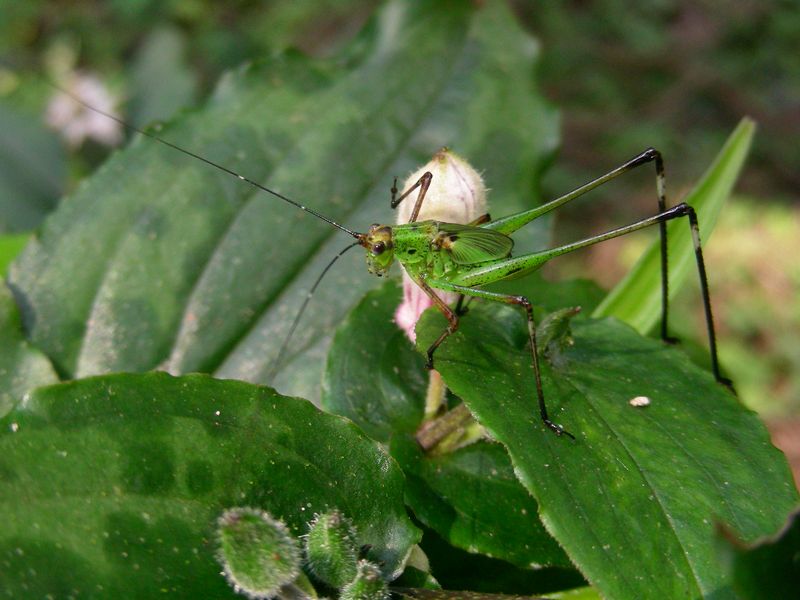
x=525 y=304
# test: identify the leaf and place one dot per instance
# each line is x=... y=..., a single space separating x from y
x=32 y=171
x=460 y=570
x=22 y=367
x=111 y=485
x=637 y=298
x=373 y=375
x=633 y=499
x=422 y=594
x=161 y=80
x=10 y=246
x=160 y=261
x=768 y=568
x=470 y=497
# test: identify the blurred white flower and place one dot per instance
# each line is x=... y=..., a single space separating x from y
x=457 y=194
x=74 y=121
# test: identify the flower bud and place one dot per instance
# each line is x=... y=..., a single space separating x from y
x=331 y=549
x=367 y=585
x=258 y=553
x=457 y=194
x=74 y=121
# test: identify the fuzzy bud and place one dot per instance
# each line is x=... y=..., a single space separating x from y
x=331 y=549
x=367 y=585
x=457 y=194
x=258 y=553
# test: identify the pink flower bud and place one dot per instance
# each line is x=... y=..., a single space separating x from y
x=74 y=121
x=457 y=194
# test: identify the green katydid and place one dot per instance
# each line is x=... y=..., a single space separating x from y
x=460 y=258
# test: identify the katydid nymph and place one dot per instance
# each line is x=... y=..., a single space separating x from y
x=460 y=258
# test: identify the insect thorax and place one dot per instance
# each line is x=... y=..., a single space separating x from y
x=421 y=250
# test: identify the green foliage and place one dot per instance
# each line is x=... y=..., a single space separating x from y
x=768 y=568
x=22 y=366
x=367 y=585
x=640 y=486
x=32 y=169
x=125 y=475
x=160 y=261
x=10 y=246
x=112 y=484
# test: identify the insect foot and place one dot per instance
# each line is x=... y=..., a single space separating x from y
x=557 y=429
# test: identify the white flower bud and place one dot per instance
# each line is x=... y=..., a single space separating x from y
x=457 y=194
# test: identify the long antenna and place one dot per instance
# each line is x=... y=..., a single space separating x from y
x=275 y=365
x=205 y=160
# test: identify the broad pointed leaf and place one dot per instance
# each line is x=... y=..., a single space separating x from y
x=634 y=498
x=161 y=261
x=111 y=485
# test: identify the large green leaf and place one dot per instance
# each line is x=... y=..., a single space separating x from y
x=111 y=485
x=22 y=366
x=457 y=569
x=470 y=497
x=159 y=260
x=637 y=298
x=32 y=171
x=373 y=374
x=766 y=569
x=633 y=499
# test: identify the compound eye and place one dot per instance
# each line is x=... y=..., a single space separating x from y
x=378 y=248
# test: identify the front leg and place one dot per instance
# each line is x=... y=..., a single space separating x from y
x=423 y=183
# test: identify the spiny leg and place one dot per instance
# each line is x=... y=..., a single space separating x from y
x=701 y=271
x=520 y=265
x=423 y=183
x=523 y=302
x=511 y=223
x=452 y=319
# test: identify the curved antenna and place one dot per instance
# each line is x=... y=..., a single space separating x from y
x=276 y=365
x=205 y=160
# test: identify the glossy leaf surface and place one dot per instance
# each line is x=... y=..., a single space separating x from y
x=112 y=485
x=639 y=487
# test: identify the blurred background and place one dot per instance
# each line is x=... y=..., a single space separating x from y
x=677 y=75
